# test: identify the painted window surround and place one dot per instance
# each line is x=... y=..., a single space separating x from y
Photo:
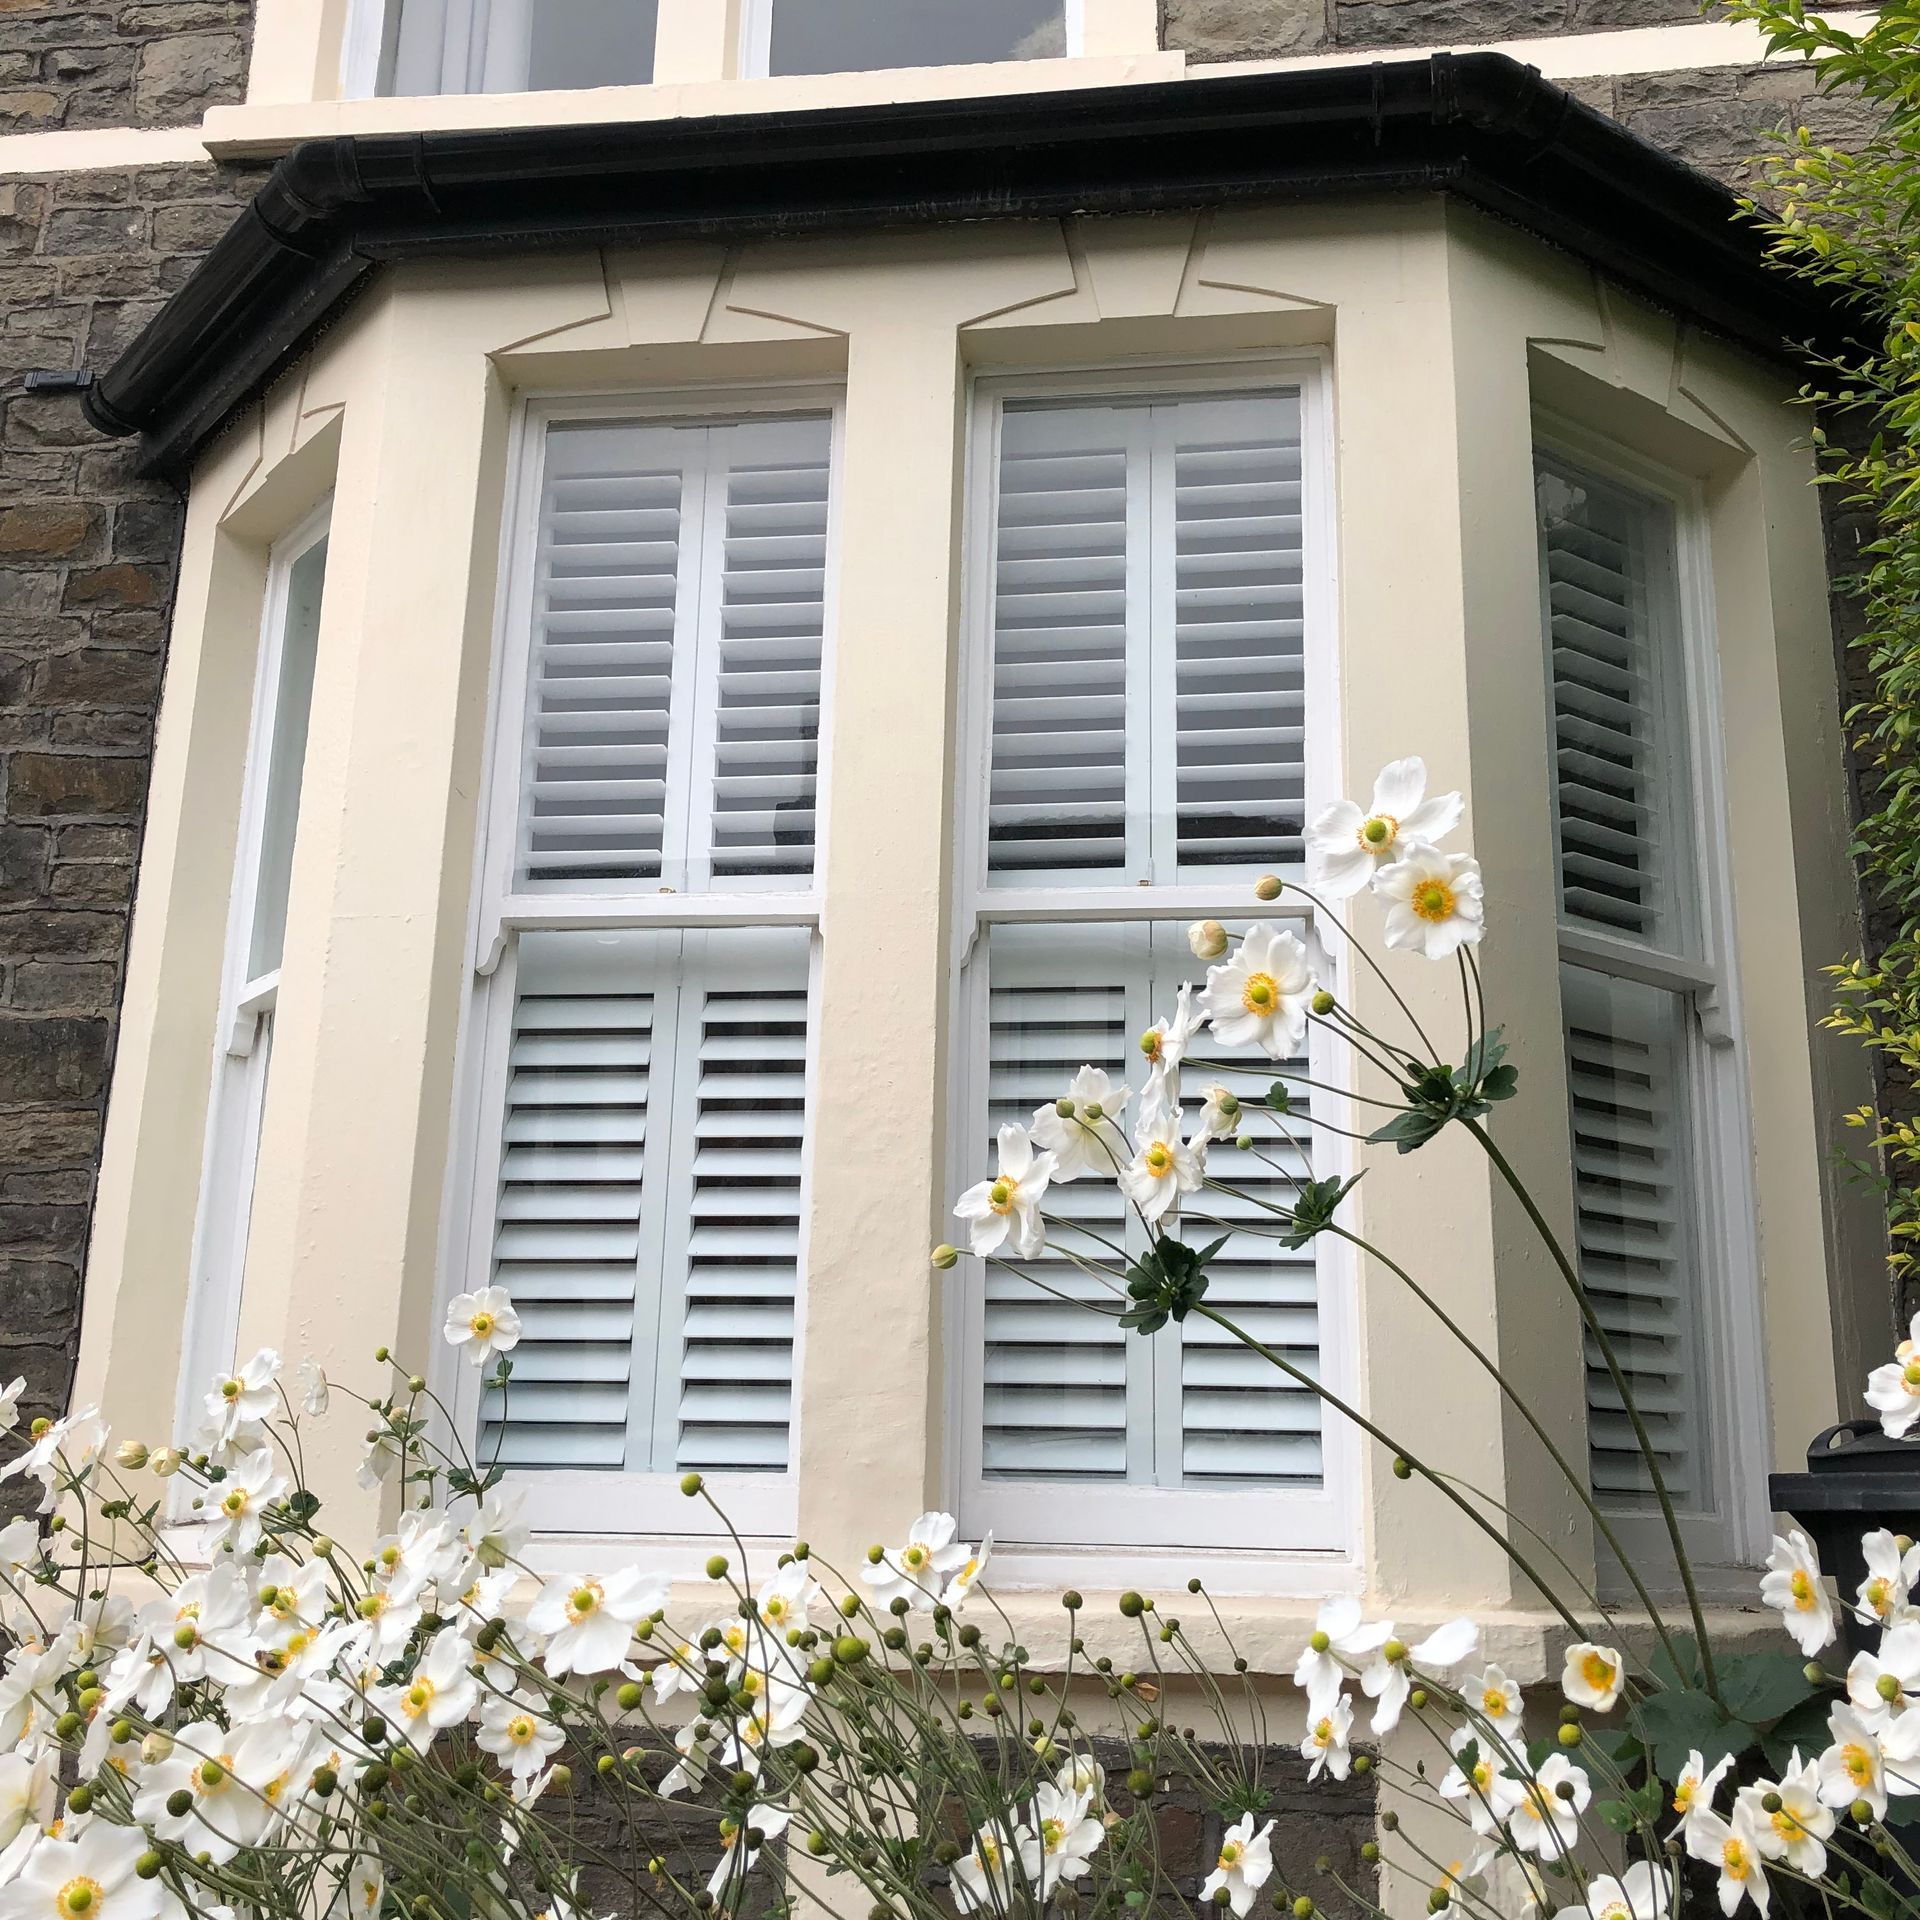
x=1442 y=332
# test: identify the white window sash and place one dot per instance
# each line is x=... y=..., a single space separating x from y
x=244 y=1030
x=1268 y=1535
x=1694 y=964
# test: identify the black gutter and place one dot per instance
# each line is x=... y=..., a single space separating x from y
x=1480 y=126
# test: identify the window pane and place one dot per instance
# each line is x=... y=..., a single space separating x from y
x=1620 y=757
x=591 y=43
x=1066 y=1394
x=1149 y=626
x=843 y=36
x=647 y=1216
x=286 y=759
x=1637 y=1203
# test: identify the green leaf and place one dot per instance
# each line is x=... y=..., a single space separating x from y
x=1674 y=1724
x=1617 y=1815
x=1278 y=1098
x=1760 y=1687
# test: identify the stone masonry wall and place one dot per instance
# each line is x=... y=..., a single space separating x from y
x=94 y=63
x=87 y=557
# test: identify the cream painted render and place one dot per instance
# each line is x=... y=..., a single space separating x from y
x=1442 y=331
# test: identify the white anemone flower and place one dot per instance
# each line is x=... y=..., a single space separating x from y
x=983 y=1881
x=1592 y=1676
x=916 y=1571
x=1547 y=1820
x=1490 y=1792
x=1064 y=1838
x=1389 y=1678
x=1733 y=1848
x=1853 y=1767
x=1885 y=1595
x=241 y=1500
x=29 y=1793
x=91 y=1874
x=20 y=1546
x=1643 y=1892
x=10 y=1403
x=1006 y=1209
x=1893 y=1391
x=740 y=1844
x=1800 y=1825
x=1693 y=1791
x=1341 y=1639
x=518 y=1734
x=315 y=1397
x=483 y=1322
x=786 y=1597
x=441 y=1694
x=1435 y=902
x=1165 y=1043
x=1882 y=1685
x=1325 y=1743
x=696 y=1742
x=497 y=1530
x=1347 y=847
x=1085 y=1140
x=1259 y=996
x=1792 y=1583
x=588 y=1624
x=1244 y=1866
x=1498 y=1700
x=70 y=1442
x=239 y=1404
x=1220 y=1115
x=1163 y=1166
x=966 y=1576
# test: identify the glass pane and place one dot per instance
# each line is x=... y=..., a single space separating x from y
x=591 y=43
x=286 y=759
x=1067 y=1395
x=845 y=36
x=1637 y=1209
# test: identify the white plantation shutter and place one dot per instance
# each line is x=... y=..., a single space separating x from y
x=1148 y=640
x=648 y=1198
x=1618 y=761
x=1065 y=1393
x=673 y=712
x=1634 y=1196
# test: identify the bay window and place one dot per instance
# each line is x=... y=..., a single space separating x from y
x=256 y=933
x=1653 y=1068
x=642 y=1027
x=1150 y=636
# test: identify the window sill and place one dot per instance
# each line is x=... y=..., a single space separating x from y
x=265 y=129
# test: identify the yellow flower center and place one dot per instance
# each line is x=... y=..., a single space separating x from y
x=1733 y=1857
x=1859 y=1764
x=1378 y=833
x=1597 y=1670
x=1911 y=1375
x=1159 y=1159
x=482 y=1324
x=1879 y=1596
x=913 y=1558
x=520 y=1729
x=1052 y=1833
x=1482 y=1775
x=235 y=1503
x=1323 y=1732
x=211 y=1775
x=988 y=1852
x=1493 y=1701
x=1261 y=993
x=1000 y=1195
x=1786 y=1823
x=1230 y=1855
x=231 y=1389
x=582 y=1601
x=79 y=1895
x=1683 y=1794
x=1432 y=900
x=1801 y=1585
x=776 y=1607
x=418 y=1698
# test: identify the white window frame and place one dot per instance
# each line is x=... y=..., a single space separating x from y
x=1736 y=1436
x=1047 y=1531
x=756 y=39
x=475 y=56
x=243 y=1042
x=582 y=1516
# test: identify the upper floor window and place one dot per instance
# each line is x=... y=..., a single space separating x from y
x=643 y=1026
x=1151 y=635
x=514 y=46
x=844 y=36
x=1652 y=1069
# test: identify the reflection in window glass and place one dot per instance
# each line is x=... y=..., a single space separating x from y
x=591 y=43
x=844 y=36
x=515 y=46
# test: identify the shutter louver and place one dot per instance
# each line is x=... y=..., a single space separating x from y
x=1611 y=766
x=743 y=1250
x=1058 y=791
x=772 y=617
x=594 y=795
x=1239 y=625
x=1625 y=1068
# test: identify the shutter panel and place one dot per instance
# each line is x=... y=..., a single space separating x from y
x=1059 y=785
x=1066 y=1394
x=567 y=1233
x=1238 y=634
x=773 y=570
x=1632 y=1185
x=1614 y=769
x=606 y=589
x=748 y=1112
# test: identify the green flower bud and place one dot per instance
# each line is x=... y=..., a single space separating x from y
x=1268 y=887
x=945 y=1256
x=1322 y=1003
x=850 y=1650
x=1403 y=1469
x=717 y=1567
x=1132 y=1605
x=149 y=1864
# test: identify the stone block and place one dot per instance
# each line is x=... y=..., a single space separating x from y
x=46 y=1058
x=49 y=1136
x=24 y=854
x=1425 y=23
x=118 y=584
x=77 y=987
x=95 y=883
x=37 y=420
x=191 y=227
x=181 y=75
x=100 y=677
x=48 y=786
x=22 y=206
x=102 y=732
x=1244 y=29
x=29 y=109
x=94 y=230
x=95 y=843
x=59 y=529
x=49 y=1231
x=42 y=1297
